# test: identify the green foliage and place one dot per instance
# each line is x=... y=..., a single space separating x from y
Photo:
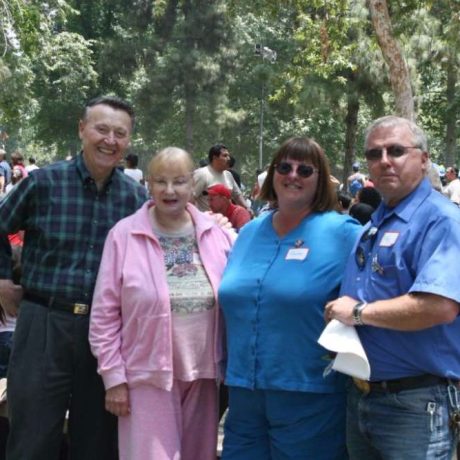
x=190 y=69
x=178 y=86
x=64 y=78
x=39 y=77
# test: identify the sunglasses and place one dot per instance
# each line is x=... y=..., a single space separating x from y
x=360 y=254
x=284 y=168
x=393 y=151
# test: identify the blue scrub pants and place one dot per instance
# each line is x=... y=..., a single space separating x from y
x=284 y=425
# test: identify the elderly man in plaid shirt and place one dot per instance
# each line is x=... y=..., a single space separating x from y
x=66 y=210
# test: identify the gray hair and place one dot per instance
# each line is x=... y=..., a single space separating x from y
x=433 y=175
x=391 y=121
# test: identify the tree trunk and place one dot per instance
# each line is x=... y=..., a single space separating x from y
x=189 y=86
x=451 y=113
x=399 y=72
x=351 y=121
x=189 y=116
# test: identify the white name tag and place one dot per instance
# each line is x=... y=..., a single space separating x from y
x=297 y=254
x=389 y=239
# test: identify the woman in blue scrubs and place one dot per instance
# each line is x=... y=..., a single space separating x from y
x=285 y=266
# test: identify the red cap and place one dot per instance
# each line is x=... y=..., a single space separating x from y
x=219 y=189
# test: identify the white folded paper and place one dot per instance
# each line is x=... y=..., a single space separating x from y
x=351 y=358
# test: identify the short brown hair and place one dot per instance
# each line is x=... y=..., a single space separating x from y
x=17 y=157
x=112 y=101
x=304 y=149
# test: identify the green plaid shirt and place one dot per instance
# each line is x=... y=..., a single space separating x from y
x=66 y=220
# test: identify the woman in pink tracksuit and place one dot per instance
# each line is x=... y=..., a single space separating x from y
x=155 y=323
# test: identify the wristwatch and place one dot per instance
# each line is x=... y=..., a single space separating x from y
x=357 y=312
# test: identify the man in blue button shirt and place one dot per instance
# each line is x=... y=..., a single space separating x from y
x=401 y=291
x=66 y=210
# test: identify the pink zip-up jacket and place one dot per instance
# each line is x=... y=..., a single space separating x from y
x=130 y=327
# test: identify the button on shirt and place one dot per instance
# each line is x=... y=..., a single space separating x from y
x=66 y=220
x=273 y=304
x=416 y=249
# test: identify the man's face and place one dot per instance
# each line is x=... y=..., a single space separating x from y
x=395 y=177
x=220 y=163
x=105 y=136
x=218 y=203
x=450 y=174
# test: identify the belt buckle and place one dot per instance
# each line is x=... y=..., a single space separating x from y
x=80 y=309
x=362 y=385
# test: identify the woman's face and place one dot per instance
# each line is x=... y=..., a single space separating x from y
x=293 y=190
x=171 y=186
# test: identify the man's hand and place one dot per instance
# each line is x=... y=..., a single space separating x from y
x=340 y=309
x=10 y=296
x=117 y=400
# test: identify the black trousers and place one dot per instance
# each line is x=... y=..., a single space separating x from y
x=51 y=371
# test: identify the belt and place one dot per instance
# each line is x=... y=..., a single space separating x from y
x=58 y=304
x=397 y=385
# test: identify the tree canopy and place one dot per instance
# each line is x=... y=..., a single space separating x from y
x=191 y=71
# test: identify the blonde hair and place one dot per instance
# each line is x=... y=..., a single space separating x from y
x=171 y=155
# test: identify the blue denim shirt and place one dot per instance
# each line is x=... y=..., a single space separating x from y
x=416 y=249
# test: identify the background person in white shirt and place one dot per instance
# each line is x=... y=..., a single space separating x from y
x=452 y=189
x=131 y=169
x=216 y=173
x=31 y=166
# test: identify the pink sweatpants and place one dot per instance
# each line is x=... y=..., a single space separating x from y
x=180 y=424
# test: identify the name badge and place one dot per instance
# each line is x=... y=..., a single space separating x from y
x=297 y=254
x=389 y=239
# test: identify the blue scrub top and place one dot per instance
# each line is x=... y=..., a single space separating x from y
x=273 y=294
x=416 y=249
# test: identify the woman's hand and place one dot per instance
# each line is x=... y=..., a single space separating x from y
x=117 y=400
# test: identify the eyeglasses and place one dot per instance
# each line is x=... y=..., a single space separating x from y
x=284 y=168
x=393 y=151
x=360 y=254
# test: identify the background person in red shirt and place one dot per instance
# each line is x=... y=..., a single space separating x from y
x=220 y=201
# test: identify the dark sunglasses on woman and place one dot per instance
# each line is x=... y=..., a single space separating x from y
x=304 y=171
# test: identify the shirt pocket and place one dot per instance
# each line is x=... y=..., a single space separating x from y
x=383 y=270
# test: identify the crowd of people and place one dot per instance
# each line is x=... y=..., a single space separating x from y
x=14 y=171
x=139 y=302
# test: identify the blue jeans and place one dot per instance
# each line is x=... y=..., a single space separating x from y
x=409 y=425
